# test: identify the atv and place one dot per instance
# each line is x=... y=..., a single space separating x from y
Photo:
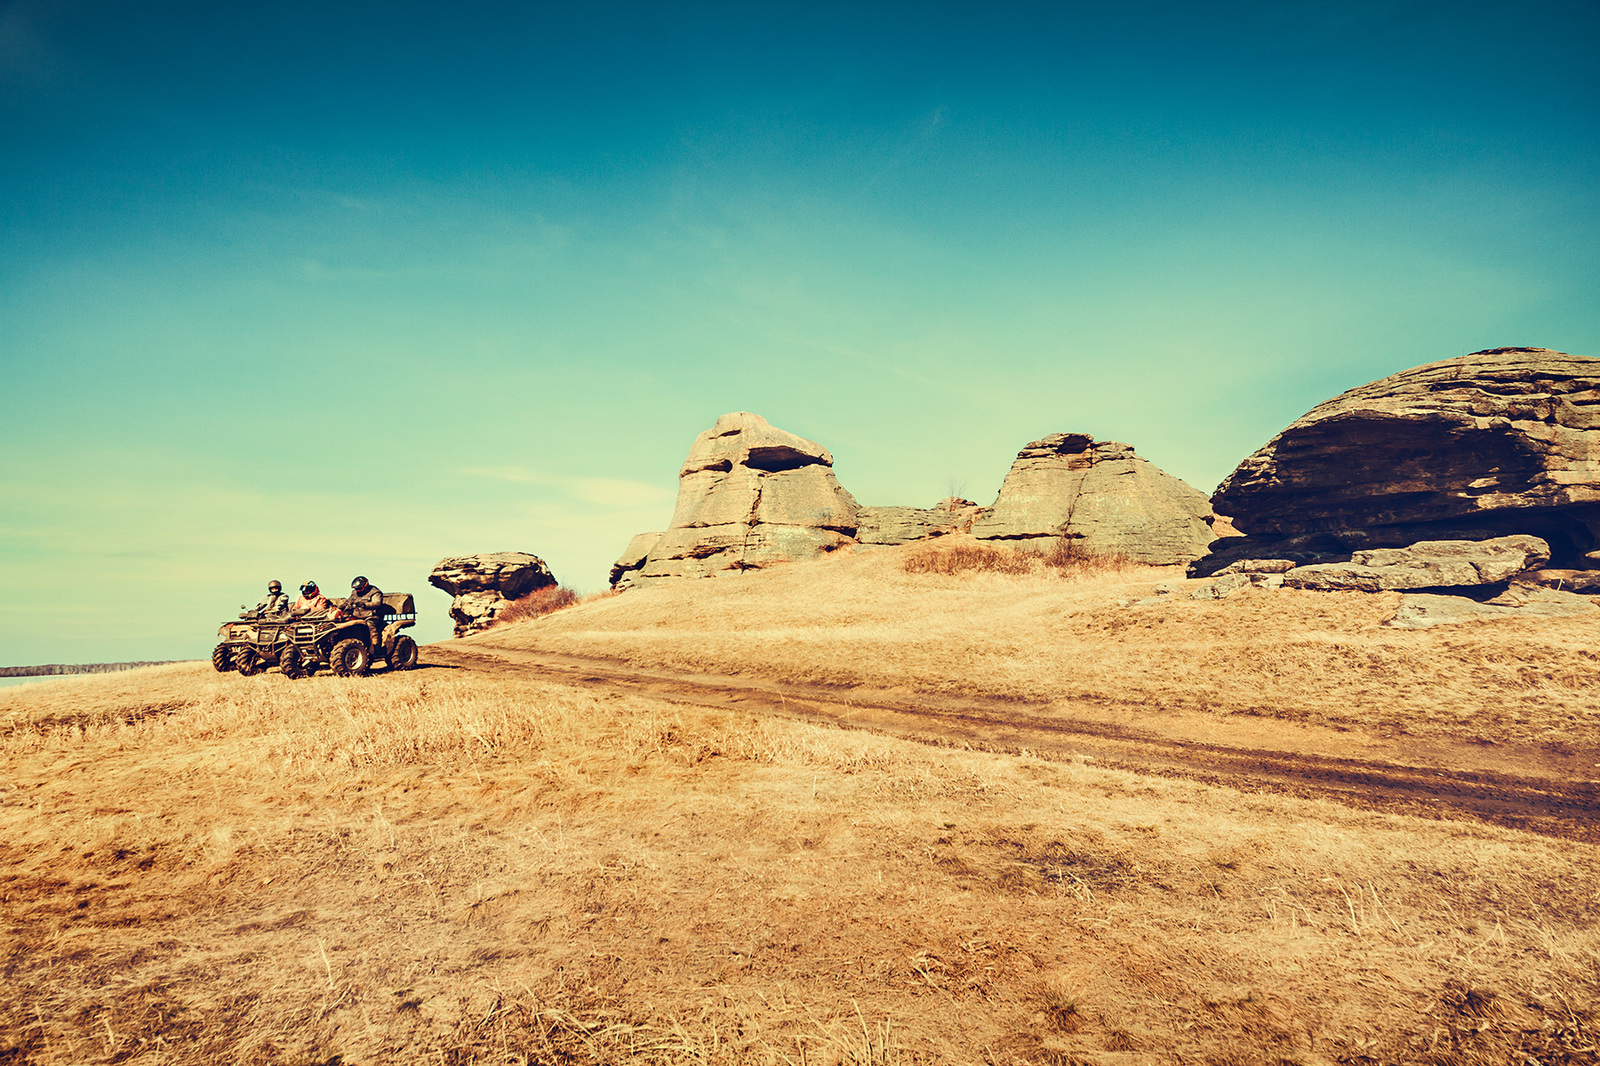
x=301 y=646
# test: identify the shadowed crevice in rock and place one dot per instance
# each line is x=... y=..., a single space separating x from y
x=776 y=458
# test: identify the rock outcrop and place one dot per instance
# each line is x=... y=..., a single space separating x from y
x=1103 y=496
x=631 y=561
x=482 y=586
x=749 y=496
x=1426 y=565
x=1499 y=442
x=883 y=526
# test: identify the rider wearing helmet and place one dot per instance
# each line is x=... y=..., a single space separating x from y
x=275 y=603
x=312 y=601
x=366 y=601
x=364 y=596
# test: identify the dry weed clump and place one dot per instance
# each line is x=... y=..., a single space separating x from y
x=964 y=555
x=970 y=557
x=1068 y=555
x=539 y=602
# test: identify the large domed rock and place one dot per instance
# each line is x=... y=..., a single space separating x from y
x=482 y=586
x=1495 y=443
x=750 y=495
x=1101 y=495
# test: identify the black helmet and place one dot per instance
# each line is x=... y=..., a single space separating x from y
x=308 y=588
x=359 y=582
x=274 y=586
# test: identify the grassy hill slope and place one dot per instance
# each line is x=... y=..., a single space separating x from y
x=446 y=867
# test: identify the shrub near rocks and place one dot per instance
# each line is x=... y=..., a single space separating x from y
x=964 y=555
x=544 y=601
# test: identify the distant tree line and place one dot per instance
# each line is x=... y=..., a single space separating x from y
x=52 y=669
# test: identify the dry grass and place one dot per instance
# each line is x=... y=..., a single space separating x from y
x=438 y=867
x=446 y=867
x=968 y=556
x=956 y=555
x=1288 y=654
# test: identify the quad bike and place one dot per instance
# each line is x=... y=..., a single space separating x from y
x=299 y=647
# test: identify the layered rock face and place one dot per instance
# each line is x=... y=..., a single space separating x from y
x=484 y=585
x=1499 y=442
x=884 y=526
x=1101 y=495
x=749 y=496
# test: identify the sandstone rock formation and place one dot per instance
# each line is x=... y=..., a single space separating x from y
x=1499 y=442
x=882 y=526
x=1103 y=496
x=749 y=496
x=482 y=586
x=1426 y=565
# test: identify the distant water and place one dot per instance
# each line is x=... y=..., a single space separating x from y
x=33 y=678
x=5 y=681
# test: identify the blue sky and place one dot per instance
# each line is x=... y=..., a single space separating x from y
x=294 y=292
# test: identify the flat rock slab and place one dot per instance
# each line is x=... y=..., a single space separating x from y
x=1425 y=565
x=1423 y=610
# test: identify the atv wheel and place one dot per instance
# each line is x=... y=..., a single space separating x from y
x=248 y=662
x=403 y=656
x=350 y=658
x=289 y=662
x=221 y=659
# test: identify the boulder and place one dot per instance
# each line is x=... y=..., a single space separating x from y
x=881 y=526
x=749 y=496
x=1420 y=610
x=1101 y=495
x=1504 y=441
x=1426 y=565
x=482 y=586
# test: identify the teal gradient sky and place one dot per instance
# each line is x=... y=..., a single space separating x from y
x=291 y=292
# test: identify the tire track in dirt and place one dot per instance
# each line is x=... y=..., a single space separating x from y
x=1550 y=803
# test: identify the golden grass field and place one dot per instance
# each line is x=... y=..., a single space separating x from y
x=456 y=866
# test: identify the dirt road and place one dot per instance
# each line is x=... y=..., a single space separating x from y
x=1549 y=791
